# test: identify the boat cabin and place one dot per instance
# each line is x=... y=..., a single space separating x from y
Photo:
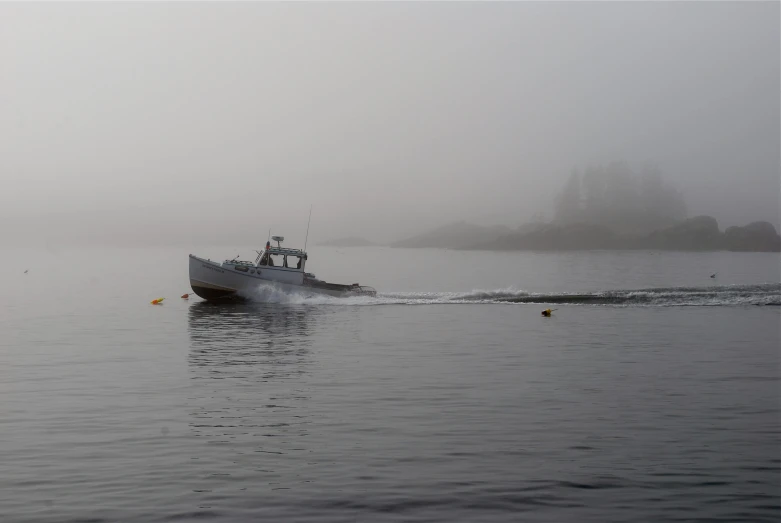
x=273 y=263
x=281 y=257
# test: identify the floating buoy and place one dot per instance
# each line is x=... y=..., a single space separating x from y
x=158 y=301
x=185 y=296
x=547 y=312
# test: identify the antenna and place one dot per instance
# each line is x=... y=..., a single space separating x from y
x=307 y=227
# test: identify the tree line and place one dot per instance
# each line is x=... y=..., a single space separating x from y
x=620 y=198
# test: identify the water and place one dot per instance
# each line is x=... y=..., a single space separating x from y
x=652 y=394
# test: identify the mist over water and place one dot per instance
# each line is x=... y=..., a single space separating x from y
x=134 y=134
x=388 y=118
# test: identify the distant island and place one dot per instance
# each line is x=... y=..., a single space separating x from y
x=457 y=235
x=352 y=241
x=609 y=207
x=700 y=233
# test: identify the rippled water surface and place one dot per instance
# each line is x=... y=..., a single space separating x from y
x=652 y=394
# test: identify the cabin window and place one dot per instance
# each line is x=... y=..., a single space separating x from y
x=294 y=262
x=276 y=260
x=241 y=268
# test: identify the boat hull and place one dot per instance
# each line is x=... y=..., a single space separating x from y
x=209 y=292
x=212 y=281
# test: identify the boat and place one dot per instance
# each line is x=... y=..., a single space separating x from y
x=280 y=267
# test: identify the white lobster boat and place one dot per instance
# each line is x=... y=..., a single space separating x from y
x=281 y=267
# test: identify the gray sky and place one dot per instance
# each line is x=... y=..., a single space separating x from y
x=170 y=119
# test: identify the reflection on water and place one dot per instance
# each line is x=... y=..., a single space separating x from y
x=248 y=364
x=249 y=340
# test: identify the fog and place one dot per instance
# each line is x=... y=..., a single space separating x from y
x=190 y=122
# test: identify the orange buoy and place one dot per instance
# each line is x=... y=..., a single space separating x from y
x=158 y=301
x=185 y=296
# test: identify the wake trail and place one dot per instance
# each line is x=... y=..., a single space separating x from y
x=768 y=294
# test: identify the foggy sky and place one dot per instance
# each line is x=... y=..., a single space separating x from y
x=196 y=118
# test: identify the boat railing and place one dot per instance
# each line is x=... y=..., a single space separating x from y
x=239 y=262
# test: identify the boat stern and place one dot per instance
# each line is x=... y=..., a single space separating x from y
x=363 y=290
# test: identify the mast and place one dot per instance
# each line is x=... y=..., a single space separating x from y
x=307 y=227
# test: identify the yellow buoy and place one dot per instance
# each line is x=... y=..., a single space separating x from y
x=158 y=301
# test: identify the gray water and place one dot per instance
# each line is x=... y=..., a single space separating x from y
x=652 y=394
